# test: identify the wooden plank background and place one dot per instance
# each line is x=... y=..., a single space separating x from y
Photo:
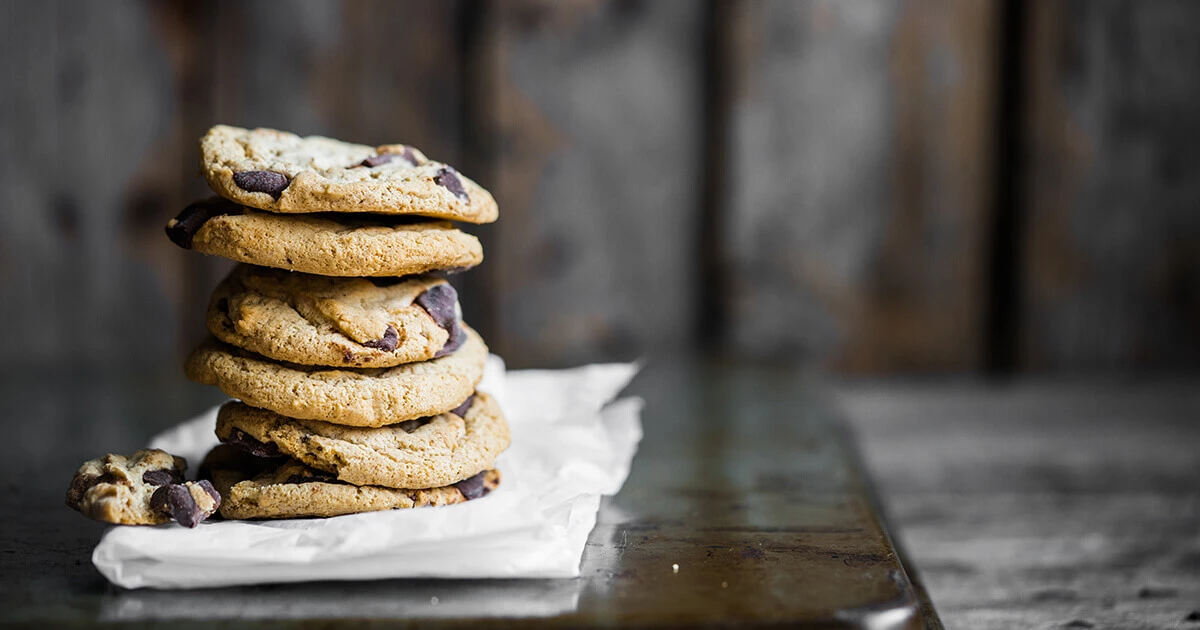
x=883 y=187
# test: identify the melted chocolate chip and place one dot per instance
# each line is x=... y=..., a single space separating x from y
x=448 y=179
x=473 y=487
x=311 y=476
x=207 y=486
x=79 y=486
x=161 y=477
x=182 y=229
x=450 y=271
x=243 y=441
x=391 y=339
x=440 y=302
x=412 y=425
x=175 y=500
x=268 y=182
x=384 y=158
x=384 y=283
x=461 y=410
x=108 y=478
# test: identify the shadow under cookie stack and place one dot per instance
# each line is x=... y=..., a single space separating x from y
x=353 y=372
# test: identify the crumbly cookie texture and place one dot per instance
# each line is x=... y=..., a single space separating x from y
x=423 y=453
x=145 y=488
x=282 y=172
x=356 y=397
x=324 y=244
x=340 y=322
x=289 y=489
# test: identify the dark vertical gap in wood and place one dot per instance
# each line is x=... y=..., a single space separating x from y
x=196 y=89
x=478 y=24
x=1004 y=262
x=717 y=97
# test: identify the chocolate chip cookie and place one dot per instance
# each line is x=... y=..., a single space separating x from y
x=282 y=172
x=371 y=397
x=326 y=244
x=422 y=453
x=351 y=322
x=146 y=488
x=272 y=488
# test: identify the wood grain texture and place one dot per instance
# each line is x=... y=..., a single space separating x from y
x=1042 y=504
x=778 y=179
x=1112 y=254
x=861 y=184
x=589 y=112
x=101 y=113
x=82 y=105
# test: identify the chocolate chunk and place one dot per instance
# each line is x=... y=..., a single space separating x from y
x=440 y=303
x=207 y=486
x=161 y=477
x=384 y=158
x=461 y=410
x=175 y=500
x=182 y=229
x=79 y=486
x=243 y=441
x=391 y=339
x=448 y=179
x=472 y=487
x=412 y=425
x=312 y=476
x=268 y=182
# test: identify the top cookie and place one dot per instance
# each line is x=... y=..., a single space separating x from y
x=282 y=172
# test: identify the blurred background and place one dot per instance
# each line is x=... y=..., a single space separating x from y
x=880 y=187
x=979 y=217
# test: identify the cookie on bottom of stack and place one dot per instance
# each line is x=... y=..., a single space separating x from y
x=255 y=487
x=423 y=453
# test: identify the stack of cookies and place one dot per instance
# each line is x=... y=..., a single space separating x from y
x=344 y=345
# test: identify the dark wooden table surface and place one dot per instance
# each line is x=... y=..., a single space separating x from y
x=1028 y=505
x=1043 y=504
x=746 y=506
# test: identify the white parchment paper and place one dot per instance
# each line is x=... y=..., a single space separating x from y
x=571 y=444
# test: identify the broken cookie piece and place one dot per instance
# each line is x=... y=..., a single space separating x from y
x=146 y=488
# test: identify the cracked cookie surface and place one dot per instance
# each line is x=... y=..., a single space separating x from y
x=366 y=397
x=325 y=244
x=282 y=172
x=339 y=322
x=422 y=453
x=255 y=487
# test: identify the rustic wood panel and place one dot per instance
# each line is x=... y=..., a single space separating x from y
x=101 y=112
x=587 y=113
x=860 y=184
x=85 y=96
x=1112 y=257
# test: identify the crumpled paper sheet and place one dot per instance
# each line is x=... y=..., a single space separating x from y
x=571 y=444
